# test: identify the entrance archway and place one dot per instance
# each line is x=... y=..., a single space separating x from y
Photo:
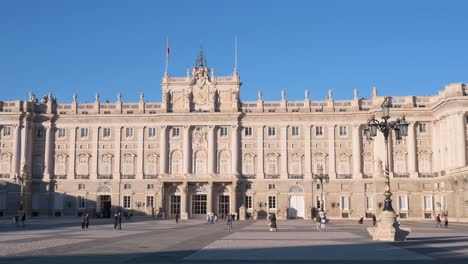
x=104 y=201
x=296 y=202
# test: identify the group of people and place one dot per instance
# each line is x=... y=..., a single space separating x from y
x=374 y=220
x=211 y=218
x=118 y=220
x=17 y=217
x=85 y=220
x=439 y=219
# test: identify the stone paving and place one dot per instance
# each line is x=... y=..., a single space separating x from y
x=154 y=241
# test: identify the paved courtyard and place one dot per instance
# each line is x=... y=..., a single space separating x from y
x=149 y=241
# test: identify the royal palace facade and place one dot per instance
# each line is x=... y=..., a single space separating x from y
x=201 y=150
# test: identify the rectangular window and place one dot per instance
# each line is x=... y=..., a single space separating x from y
x=62 y=132
x=403 y=203
x=128 y=132
x=7 y=131
x=295 y=131
x=223 y=132
x=84 y=132
x=127 y=186
x=81 y=202
x=271 y=186
x=150 y=201
x=151 y=132
x=248 y=131
x=271 y=131
x=248 y=186
x=40 y=133
x=81 y=186
x=150 y=186
x=343 y=131
x=127 y=202
x=422 y=128
x=248 y=202
x=271 y=202
x=106 y=132
x=319 y=131
x=369 y=203
x=175 y=132
x=345 y=203
x=428 y=205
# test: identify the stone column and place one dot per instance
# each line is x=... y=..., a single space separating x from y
x=72 y=149
x=16 y=170
x=209 y=198
x=235 y=150
x=211 y=150
x=260 y=149
x=117 y=150
x=331 y=154
x=307 y=153
x=95 y=155
x=435 y=146
x=379 y=155
x=461 y=139
x=183 y=201
x=140 y=156
x=443 y=145
x=284 y=152
x=25 y=139
x=160 y=201
x=412 y=150
x=48 y=152
x=163 y=142
x=233 y=199
x=357 y=156
x=187 y=150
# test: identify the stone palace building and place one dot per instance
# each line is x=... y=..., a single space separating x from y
x=202 y=150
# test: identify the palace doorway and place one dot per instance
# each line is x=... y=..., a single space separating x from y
x=105 y=204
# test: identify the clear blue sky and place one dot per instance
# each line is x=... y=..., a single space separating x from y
x=402 y=47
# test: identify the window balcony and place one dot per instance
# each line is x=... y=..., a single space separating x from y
x=367 y=176
x=344 y=176
x=4 y=175
x=425 y=175
x=248 y=176
x=296 y=176
x=272 y=176
x=150 y=176
x=127 y=177
x=80 y=177
x=400 y=175
x=104 y=177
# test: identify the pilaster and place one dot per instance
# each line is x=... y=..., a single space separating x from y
x=357 y=150
x=72 y=149
x=163 y=142
x=332 y=151
x=211 y=150
x=235 y=150
x=412 y=150
x=284 y=152
x=187 y=151
x=140 y=156
x=117 y=150
x=183 y=201
x=47 y=152
x=307 y=153
x=95 y=155
x=260 y=149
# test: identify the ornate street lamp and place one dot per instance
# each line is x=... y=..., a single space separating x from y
x=22 y=179
x=320 y=177
x=388 y=228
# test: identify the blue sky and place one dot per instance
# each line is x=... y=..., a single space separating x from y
x=402 y=47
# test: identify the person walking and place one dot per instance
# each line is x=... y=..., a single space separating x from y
x=215 y=218
x=23 y=220
x=272 y=223
x=374 y=219
x=361 y=220
x=438 y=221
x=17 y=219
x=229 y=223
x=177 y=218
x=120 y=220
x=318 y=222
x=83 y=221
x=116 y=220
x=445 y=221
x=86 y=219
x=323 y=223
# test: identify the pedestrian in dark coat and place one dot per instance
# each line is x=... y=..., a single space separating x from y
x=272 y=219
x=116 y=220
x=177 y=218
x=23 y=219
x=83 y=221
x=86 y=216
x=374 y=219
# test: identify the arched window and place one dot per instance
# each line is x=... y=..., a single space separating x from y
x=272 y=164
x=129 y=164
x=176 y=162
x=224 y=162
x=200 y=162
x=296 y=165
x=249 y=164
x=106 y=164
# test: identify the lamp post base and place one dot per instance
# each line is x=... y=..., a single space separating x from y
x=388 y=228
